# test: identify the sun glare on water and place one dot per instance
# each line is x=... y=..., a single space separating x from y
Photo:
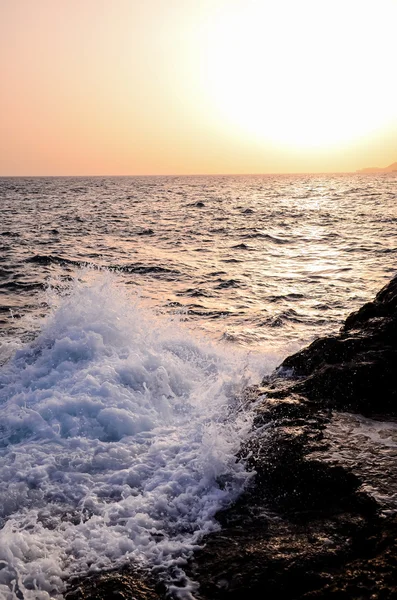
x=305 y=74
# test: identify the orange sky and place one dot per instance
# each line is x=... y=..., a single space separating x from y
x=112 y=87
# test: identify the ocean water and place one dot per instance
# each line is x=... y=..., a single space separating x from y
x=256 y=260
x=133 y=314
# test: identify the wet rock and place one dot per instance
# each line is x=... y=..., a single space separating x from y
x=306 y=528
x=354 y=370
x=126 y=584
x=310 y=526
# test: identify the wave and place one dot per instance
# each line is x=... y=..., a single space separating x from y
x=51 y=259
x=196 y=293
x=287 y=316
x=21 y=286
x=118 y=437
x=229 y=283
x=241 y=246
x=144 y=269
x=147 y=231
x=266 y=236
x=281 y=297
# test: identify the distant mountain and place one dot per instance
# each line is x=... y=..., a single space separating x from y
x=389 y=169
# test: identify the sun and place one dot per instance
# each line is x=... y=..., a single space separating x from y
x=307 y=73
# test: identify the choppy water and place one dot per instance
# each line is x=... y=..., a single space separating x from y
x=259 y=260
x=120 y=423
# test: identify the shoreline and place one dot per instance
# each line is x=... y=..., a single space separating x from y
x=309 y=527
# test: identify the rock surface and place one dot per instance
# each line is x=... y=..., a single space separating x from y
x=320 y=521
x=355 y=370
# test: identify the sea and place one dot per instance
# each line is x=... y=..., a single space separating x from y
x=134 y=312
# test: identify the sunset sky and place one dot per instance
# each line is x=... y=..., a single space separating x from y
x=124 y=87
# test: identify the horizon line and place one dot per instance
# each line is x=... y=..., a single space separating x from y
x=191 y=174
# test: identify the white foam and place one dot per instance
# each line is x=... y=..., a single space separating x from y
x=118 y=439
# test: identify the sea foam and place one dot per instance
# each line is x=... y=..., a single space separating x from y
x=118 y=441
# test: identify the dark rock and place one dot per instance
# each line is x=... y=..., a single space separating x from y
x=125 y=584
x=307 y=528
x=355 y=370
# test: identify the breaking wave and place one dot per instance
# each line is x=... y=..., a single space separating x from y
x=118 y=442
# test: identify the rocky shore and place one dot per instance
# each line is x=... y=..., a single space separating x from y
x=320 y=520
